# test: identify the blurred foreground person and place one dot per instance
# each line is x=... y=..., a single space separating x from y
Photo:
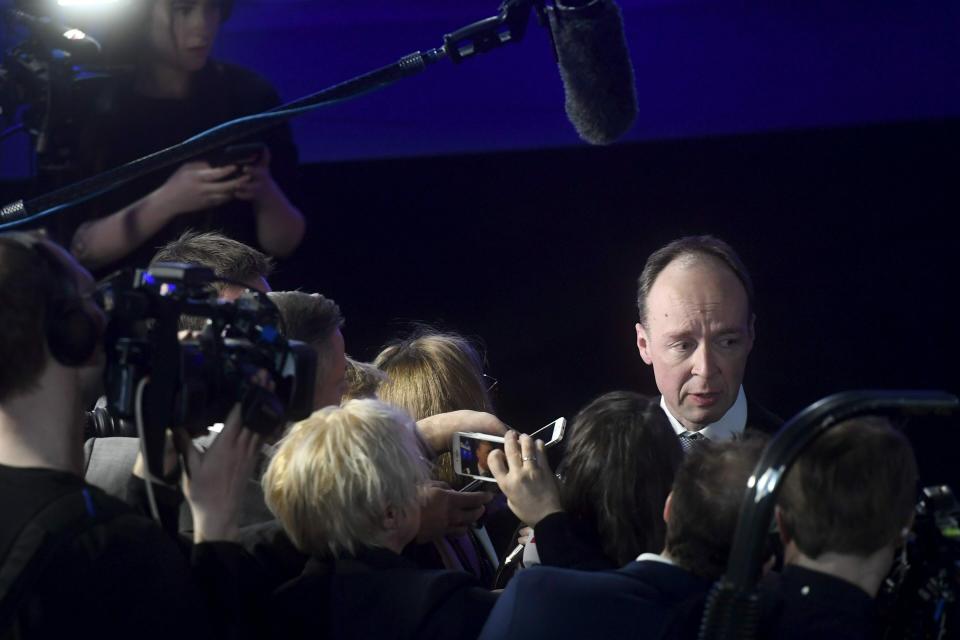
x=618 y=466
x=635 y=601
x=846 y=506
x=345 y=483
x=70 y=552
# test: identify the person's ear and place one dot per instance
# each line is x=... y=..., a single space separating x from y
x=779 y=518
x=752 y=331
x=391 y=518
x=667 y=506
x=643 y=344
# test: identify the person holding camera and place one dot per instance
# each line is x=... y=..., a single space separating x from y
x=174 y=92
x=69 y=552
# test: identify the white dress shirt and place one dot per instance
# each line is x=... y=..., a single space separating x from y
x=733 y=422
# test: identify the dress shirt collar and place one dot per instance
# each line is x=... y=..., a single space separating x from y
x=654 y=557
x=733 y=422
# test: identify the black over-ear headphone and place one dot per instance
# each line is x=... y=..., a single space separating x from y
x=72 y=330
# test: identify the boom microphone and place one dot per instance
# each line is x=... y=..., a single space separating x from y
x=598 y=83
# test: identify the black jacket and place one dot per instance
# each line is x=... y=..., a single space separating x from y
x=379 y=594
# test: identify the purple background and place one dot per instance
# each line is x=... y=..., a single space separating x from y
x=703 y=68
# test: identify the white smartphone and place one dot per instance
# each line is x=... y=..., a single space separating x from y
x=470 y=450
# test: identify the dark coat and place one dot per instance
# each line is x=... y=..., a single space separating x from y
x=378 y=594
x=632 y=602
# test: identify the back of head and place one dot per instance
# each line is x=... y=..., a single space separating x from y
x=334 y=475
x=852 y=491
x=430 y=373
x=617 y=470
x=310 y=318
x=690 y=248
x=363 y=380
x=705 y=503
x=226 y=257
x=26 y=282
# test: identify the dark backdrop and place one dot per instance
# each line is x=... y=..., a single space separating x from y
x=849 y=233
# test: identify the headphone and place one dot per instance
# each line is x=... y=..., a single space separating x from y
x=73 y=330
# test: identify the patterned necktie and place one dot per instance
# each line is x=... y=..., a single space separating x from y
x=691 y=440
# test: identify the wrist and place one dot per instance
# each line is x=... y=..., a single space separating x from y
x=213 y=529
x=161 y=205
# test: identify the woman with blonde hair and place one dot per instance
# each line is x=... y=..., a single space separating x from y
x=345 y=483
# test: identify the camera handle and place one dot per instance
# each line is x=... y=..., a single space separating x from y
x=733 y=604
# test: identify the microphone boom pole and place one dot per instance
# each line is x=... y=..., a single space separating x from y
x=482 y=36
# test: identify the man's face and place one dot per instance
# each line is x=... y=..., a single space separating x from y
x=697 y=336
x=182 y=32
x=330 y=384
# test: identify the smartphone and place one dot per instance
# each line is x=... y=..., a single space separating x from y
x=470 y=450
x=238 y=154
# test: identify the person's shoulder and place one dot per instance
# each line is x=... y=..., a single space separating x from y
x=761 y=419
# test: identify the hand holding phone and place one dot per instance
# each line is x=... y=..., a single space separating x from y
x=523 y=474
x=238 y=155
x=471 y=450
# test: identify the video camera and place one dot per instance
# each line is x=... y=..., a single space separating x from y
x=920 y=596
x=195 y=379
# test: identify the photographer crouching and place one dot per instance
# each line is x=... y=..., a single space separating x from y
x=73 y=559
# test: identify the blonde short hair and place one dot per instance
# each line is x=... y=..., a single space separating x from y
x=335 y=473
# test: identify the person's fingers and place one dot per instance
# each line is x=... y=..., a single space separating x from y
x=228 y=186
x=184 y=444
x=214 y=174
x=542 y=462
x=469 y=500
x=528 y=452
x=497 y=463
x=467 y=517
x=232 y=427
x=511 y=448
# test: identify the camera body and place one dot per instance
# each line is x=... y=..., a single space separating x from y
x=195 y=379
x=920 y=596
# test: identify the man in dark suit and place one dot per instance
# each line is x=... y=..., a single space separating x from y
x=635 y=601
x=696 y=329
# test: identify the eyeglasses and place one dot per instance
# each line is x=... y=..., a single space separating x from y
x=491 y=382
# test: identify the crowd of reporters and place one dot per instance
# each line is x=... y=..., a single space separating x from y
x=350 y=524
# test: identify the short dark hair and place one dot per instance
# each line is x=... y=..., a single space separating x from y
x=852 y=490
x=310 y=318
x=695 y=246
x=226 y=257
x=617 y=470
x=26 y=283
x=707 y=494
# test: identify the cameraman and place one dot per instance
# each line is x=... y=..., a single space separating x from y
x=69 y=553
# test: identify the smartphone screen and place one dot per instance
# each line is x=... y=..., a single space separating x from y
x=473 y=453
